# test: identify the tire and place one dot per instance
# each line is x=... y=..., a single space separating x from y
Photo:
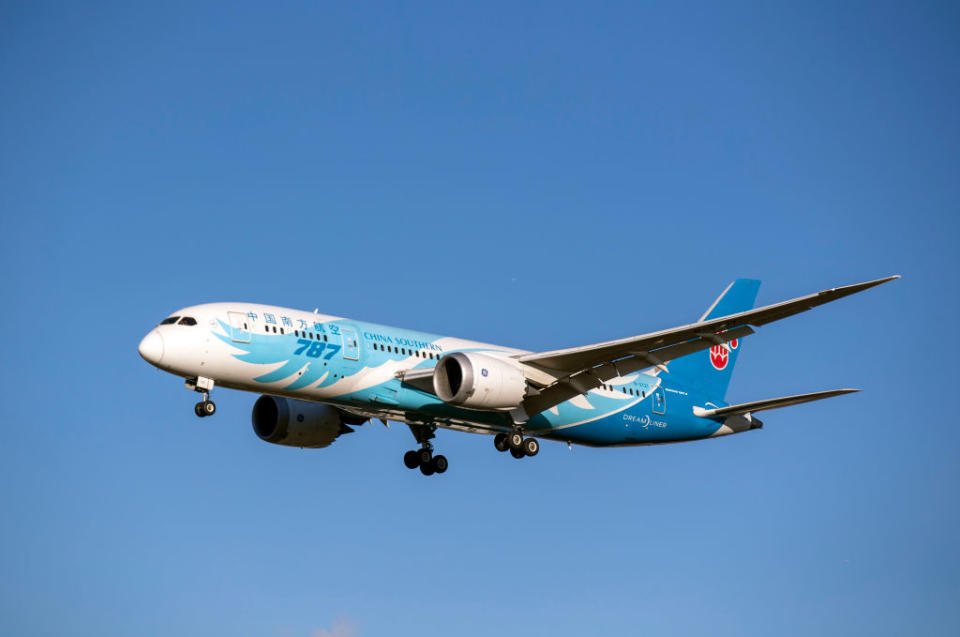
x=411 y=459
x=515 y=439
x=209 y=407
x=517 y=453
x=424 y=456
x=427 y=469
x=531 y=447
x=500 y=442
x=198 y=410
x=440 y=464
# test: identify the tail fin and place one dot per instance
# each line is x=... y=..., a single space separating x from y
x=710 y=370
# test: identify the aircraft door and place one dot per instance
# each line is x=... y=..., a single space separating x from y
x=351 y=346
x=659 y=401
x=239 y=331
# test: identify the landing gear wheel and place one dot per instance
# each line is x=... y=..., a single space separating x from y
x=424 y=456
x=530 y=447
x=427 y=469
x=208 y=407
x=515 y=439
x=517 y=453
x=198 y=410
x=500 y=442
x=440 y=464
x=411 y=459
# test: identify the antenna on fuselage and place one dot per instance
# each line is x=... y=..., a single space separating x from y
x=316 y=310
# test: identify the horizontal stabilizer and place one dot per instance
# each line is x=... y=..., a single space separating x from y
x=770 y=403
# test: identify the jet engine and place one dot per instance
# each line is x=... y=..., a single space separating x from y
x=297 y=423
x=479 y=381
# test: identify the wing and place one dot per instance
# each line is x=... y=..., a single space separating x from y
x=770 y=403
x=577 y=370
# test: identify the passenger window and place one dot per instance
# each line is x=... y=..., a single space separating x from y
x=274 y=329
x=281 y=330
x=169 y=321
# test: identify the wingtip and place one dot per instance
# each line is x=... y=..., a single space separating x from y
x=875 y=282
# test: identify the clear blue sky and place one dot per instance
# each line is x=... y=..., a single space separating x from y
x=541 y=175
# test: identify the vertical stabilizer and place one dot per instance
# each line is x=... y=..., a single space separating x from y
x=710 y=370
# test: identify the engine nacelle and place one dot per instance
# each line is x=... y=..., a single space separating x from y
x=296 y=423
x=479 y=381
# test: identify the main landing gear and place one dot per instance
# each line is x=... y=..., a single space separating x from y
x=429 y=464
x=423 y=457
x=204 y=386
x=516 y=444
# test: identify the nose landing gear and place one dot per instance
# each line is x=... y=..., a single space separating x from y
x=205 y=408
x=204 y=386
x=516 y=444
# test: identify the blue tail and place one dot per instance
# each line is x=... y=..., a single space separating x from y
x=710 y=370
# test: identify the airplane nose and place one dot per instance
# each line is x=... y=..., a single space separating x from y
x=151 y=348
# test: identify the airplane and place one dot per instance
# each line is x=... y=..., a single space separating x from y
x=321 y=376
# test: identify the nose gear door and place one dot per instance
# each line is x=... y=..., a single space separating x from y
x=239 y=332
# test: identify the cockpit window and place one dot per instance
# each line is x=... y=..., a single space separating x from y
x=169 y=320
x=188 y=320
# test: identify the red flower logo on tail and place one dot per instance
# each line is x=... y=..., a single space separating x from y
x=719 y=356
